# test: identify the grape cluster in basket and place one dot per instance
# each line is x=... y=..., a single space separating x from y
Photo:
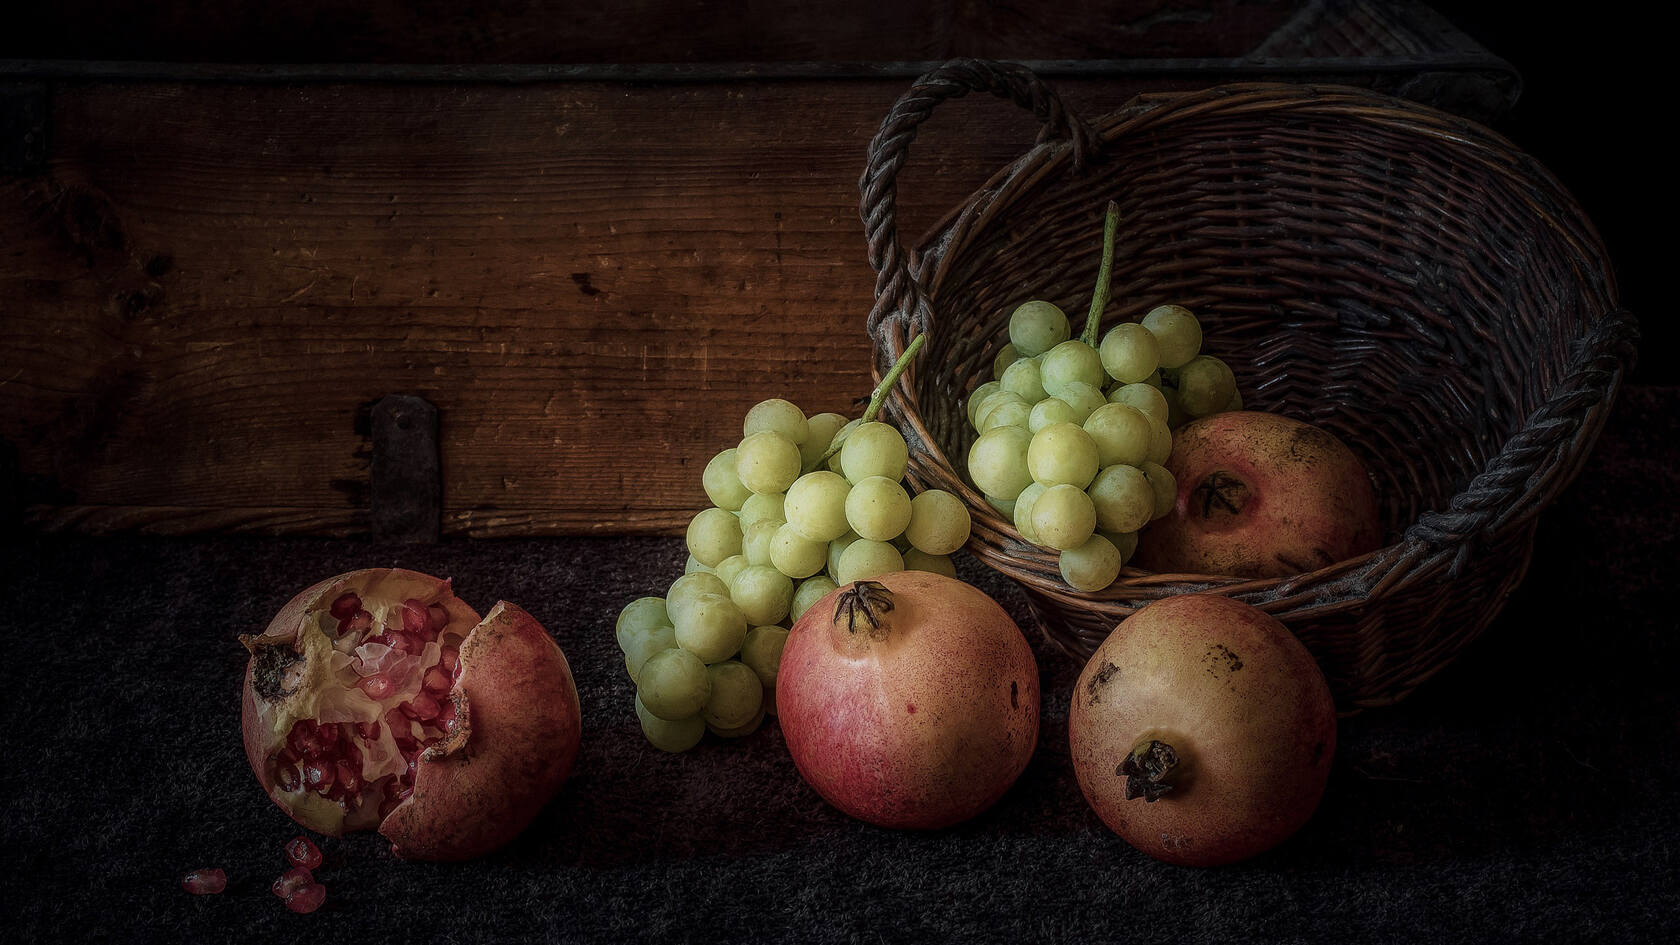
x=1074 y=434
x=801 y=506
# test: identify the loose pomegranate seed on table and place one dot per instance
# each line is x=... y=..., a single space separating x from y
x=204 y=882
x=307 y=899
x=302 y=851
x=292 y=880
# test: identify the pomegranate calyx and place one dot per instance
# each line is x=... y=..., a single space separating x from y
x=864 y=602
x=1147 y=769
x=455 y=734
x=1220 y=494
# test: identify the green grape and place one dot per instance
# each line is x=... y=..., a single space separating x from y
x=1130 y=353
x=764 y=595
x=1022 y=378
x=1145 y=398
x=694 y=565
x=994 y=400
x=732 y=565
x=1051 y=410
x=1062 y=452
x=672 y=735
x=722 y=485
x=1005 y=507
x=713 y=535
x=901 y=543
x=918 y=560
x=767 y=462
x=1123 y=434
x=1177 y=333
x=795 y=555
x=763 y=507
x=674 y=684
x=1154 y=380
x=742 y=731
x=1123 y=498
x=878 y=508
x=690 y=586
x=1063 y=517
x=809 y=591
x=997 y=462
x=642 y=613
x=1006 y=356
x=1176 y=417
x=816 y=505
x=823 y=428
x=777 y=416
x=1037 y=326
x=1205 y=385
x=1165 y=487
x=874 y=449
x=845 y=431
x=1124 y=542
x=1023 y=511
x=1092 y=566
x=978 y=397
x=755 y=541
x=642 y=643
x=736 y=697
x=939 y=522
x=1235 y=403
x=1010 y=414
x=1160 y=441
x=762 y=652
x=1071 y=362
x=864 y=559
x=1083 y=398
x=712 y=626
x=836 y=548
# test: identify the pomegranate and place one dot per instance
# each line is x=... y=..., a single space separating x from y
x=205 y=882
x=1202 y=731
x=908 y=701
x=378 y=699
x=301 y=852
x=291 y=881
x=1261 y=495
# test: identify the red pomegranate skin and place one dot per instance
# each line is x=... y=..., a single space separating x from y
x=922 y=724
x=1261 y=495
x=1243 y=705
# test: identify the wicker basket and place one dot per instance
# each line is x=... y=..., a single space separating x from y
x=1401 y=277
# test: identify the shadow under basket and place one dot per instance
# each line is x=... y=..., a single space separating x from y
x=1398 y=276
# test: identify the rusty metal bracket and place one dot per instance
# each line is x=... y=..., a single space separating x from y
x=25 y=120
x=406 y=503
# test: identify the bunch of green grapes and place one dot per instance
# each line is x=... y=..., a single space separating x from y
x=801 y=506
x=1074 y=434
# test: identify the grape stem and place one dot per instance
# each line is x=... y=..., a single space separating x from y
x=1105 y=274
x=875 y=399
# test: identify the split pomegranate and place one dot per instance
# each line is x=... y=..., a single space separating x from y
x=908 y=701
x=205 y=882
x=1202 y=731
x=378 y=699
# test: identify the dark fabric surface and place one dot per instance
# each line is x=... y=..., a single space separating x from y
x=1525 y=794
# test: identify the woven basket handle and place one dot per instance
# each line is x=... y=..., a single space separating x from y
x=898 y=294
x=1519 y=477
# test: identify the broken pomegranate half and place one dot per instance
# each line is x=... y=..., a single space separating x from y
x=378 y=699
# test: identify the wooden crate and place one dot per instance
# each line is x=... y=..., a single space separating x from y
x=210 y=273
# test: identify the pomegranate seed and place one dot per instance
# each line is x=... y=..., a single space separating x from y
x=414 y=618
x=205 y=882
x=425 y=706
x=349 y=778
x=289 y=777
x=319 y=776
x=368 y=730
x=301 y=851
x=437 y=680
x=328 y=734
x=304 y=740
x=401 y=731
x=346 y=606
x=360 y=621
x=406 y=792
x=307 y=899
x=449 y=659
x=378 y=686
x=438 y=616
x=409 y=643
x=293 y=879
x=446 y=712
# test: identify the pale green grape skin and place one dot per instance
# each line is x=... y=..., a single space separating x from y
x=878 y=508
x=997 y=462
x=1235 y=403
x=712 y=627
x=1083 y=398
x=713 y=535
x=1092 y=566
x=1123 y=434
x=1051 y=410
x=764 y=595
x=809 y=591
x=643 y=643
x=671 y=735
x=1164 y=486
x=762 y=653
x=1149 y=400
x=840 y=438
x=1062 y=453
x=722 y=484
x=816 y=505
x=755 y=541
x=1022 y=378
x=1160 y=441
x=1130 y=353
x=731 y=566
x=690 y=586
x=864 y=559
x=1123 y=499
x=1014 y=415
x=1037 y=326
x=674 y=685
x=1006 y=356
x=939 y=522
x=1176 y=417
x=1205 y=385
x=994 y=401
x=1177 y=332
x=767 y=462
x=1023 y=511
x=1124 y=542
x=823 y=428
x=795 y=555
x=918 y=560
x=737 y=695
x=874 y=449
x=643 y=613
x=694 y=565
x=978 y=397
x=777 y=416
x=1005 y=507
x=744 y=730
x=836 y=548
x=764 y=507
x=1063 y=517
x=1068 y=363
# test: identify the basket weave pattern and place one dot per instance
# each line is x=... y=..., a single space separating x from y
x=1400 y=277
